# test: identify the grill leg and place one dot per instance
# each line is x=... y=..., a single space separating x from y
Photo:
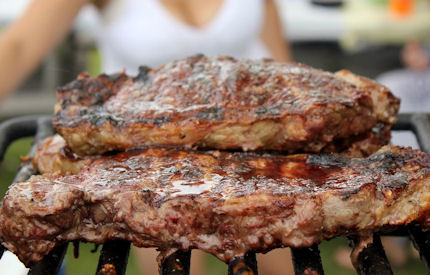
x=372 y=259
x=421 y=241
x=113 y=258
x=307 y=260
x=243 y=265
x=176 y=264
x=51 y=263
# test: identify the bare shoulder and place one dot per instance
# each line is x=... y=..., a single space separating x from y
x=48 y=6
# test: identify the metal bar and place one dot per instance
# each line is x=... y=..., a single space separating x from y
x=16 y=128
x=176 y=264
x=51 y=263
x=246 y=265
x=403 y=122
x=113 y=258
x=419 y=123
x=372 y=259
x=399 y=231
x=421 y=127
x=13 y=129
x=307 y=260
x=421 y=240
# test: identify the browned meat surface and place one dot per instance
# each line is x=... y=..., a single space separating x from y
x=221 y=103
x=223 y=203
x=362 y=145
x=54 y=156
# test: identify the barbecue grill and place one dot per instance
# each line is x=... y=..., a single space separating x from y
x=114 y=254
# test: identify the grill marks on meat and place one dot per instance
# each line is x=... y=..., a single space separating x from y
x=223 y=203
x=221 y=103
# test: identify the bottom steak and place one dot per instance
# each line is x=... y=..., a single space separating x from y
x=223 y=203
x=53 y=155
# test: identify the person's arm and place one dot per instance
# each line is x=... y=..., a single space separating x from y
x=25 y=43
x=272 y=34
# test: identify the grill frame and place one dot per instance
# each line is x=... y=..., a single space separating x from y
x=114 y=254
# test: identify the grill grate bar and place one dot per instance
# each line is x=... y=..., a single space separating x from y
x=246 y=265
x=51 y=263
x=372 y=259
x=113 y=257
x=399 y=231
x=421 y=241
x=14 y=129
x=419 y=123
x=403 y=122
x=307 y=260
x=176 y=264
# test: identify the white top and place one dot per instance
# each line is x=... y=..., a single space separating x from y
x=304 y=21
x=143 y=32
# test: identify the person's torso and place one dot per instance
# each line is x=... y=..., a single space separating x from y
x=144 y=32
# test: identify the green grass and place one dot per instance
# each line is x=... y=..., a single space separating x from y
x=328 y=250
x=87 y=262
x=11 y=163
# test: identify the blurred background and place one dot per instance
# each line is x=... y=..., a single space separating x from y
x=366 y=37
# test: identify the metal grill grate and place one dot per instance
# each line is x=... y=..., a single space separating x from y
x=114 y=254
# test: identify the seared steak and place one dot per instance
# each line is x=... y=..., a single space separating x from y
x=221 y=103
x=54 y=156
x=220 y=202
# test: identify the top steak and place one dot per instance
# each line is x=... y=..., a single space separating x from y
x=221 y=103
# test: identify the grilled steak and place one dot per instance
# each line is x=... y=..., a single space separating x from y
x=221 y=202
x=54 y=156
x=221 y=103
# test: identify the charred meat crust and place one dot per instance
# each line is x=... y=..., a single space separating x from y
x=220 y=103
x=223 y=203
x=361 y=145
